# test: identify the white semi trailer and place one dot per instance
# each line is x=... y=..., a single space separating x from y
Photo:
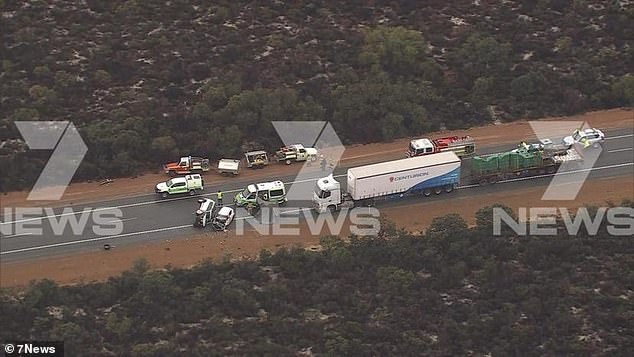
x=417 y=175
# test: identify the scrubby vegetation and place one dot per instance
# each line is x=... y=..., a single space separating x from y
x=146 y=81
x=454 y=291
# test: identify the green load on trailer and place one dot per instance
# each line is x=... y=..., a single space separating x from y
x=526 y=160
x=508 y=161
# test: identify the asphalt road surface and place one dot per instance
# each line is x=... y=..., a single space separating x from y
x=148 y=218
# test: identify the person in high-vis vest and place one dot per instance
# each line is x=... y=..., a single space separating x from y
x=220 y=197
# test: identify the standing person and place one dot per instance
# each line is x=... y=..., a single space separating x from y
x=219 y=197
x=323 y=164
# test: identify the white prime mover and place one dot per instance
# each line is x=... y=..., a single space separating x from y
x=398 y=178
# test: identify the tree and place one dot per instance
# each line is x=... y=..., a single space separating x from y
x=43 y=96
x=483 y=91
x=395 y=50
x=26 y=114
x=394 y=281
x=451 y=226
x=164 y=147
x=484 y=218
x=102 y=78
x=623 y=90
x=529 y=87
x=64 y=80
x=483 y=56
x=387 y=109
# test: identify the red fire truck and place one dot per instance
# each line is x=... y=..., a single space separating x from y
x=463 y=146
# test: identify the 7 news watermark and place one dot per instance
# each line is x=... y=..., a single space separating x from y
x=34 y=348
x=545 y=221
x=69 y=149
x=281 y=221
x=550 y=221
x=22 y=221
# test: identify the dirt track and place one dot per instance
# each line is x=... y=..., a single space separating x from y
x=99 y=265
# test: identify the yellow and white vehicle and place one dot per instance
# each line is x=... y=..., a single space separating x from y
x=189 y=184
x=267 y=193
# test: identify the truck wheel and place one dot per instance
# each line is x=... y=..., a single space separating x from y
x=332 y=208
x=288 y=162
x=448 y=188
x=483 y=182
x=192 y=192
x=437 y=190
x=172 y=173
x=493 y=179
x=164 y=195
x=427 y=192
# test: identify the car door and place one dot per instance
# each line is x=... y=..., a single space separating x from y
x=178 y=187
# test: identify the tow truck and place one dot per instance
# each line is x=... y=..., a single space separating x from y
x=187 y=165
x=295 y=153
x=463 y=146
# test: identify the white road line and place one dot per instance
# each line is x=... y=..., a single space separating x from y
x=211 y=194
x=142 y=203
x=619 y=137
x=17 y=235
x=619 y=150
x=241 y=218
x=94 y=239
x=121 y=220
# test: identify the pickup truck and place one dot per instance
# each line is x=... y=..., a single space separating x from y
x=187 y=165
x=188 y=184
x=295 y=153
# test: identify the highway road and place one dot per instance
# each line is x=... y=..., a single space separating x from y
x=147 y=218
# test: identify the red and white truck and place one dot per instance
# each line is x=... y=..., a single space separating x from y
x=463 y=146
x=187 y=165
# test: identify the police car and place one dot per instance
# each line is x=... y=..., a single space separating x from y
x=586 y=137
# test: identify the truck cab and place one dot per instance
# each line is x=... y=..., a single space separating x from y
x=327 y=195
x=419 y=147
x=262 y=193
x=463 y=146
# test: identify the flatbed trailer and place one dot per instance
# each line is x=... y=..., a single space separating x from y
x=489 y=169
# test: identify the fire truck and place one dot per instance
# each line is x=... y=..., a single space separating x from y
x=463 y=146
